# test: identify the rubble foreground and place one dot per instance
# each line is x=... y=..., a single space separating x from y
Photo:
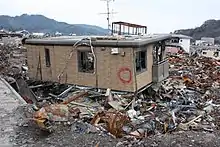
x=183 y=110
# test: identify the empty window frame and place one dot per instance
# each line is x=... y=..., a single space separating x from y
x=174 y=40
x=141 y=58
x=47 y=57
x=85 y=61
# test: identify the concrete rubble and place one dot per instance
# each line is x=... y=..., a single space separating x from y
x=187 y=101
x=13 y=58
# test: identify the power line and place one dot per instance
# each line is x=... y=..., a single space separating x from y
x=108 y=13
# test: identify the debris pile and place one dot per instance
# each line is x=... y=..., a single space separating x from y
x=197 y=72
x=13 y=58
x=4 y=54
x=187 y=100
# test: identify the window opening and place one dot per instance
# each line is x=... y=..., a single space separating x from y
x=47 y=57
x=85 y=61
x=141 y=59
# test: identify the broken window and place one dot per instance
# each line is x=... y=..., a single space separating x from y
x=216 y=54
x=47 y=57
x=85 y=61
x=141 y=58
x=174 y=40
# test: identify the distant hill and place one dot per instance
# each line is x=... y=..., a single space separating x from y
x=210 y=28
x=40 y=23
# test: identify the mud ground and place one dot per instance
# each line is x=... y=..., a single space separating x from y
x=8 y=102
x=24 y=133
x=17 y=131
x=31 y=136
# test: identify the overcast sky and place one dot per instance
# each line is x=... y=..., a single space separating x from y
x=161 y=16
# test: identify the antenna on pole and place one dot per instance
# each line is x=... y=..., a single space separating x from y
x=108 y=13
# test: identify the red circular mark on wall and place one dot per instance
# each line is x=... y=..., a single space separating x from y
x=123 y=71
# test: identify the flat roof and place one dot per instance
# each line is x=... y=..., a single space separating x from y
x=181 y=36
x=177 y=36
x=108 y=41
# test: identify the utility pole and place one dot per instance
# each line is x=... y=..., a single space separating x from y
x=108 y=13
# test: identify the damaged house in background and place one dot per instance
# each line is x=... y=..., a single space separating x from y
x=179 y=43
x=120 y=63
x=211 y=53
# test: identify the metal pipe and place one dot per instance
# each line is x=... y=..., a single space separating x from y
x=65 y=92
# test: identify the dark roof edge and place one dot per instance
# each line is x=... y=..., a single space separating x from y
x=104 y=43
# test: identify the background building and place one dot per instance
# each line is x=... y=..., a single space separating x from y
x=208 y=40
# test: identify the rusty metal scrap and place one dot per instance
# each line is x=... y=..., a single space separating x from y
x=114 y=121
x=56 y=112
x=48 y=115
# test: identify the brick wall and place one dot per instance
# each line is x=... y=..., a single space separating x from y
x=113 y=71
x=145 y=77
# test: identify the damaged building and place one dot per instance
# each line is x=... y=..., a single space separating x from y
x=119 y=63
x=211 y=53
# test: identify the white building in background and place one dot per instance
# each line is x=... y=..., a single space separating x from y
x=24 y=32
x=215 y=53
x=184 y=42
x=208 y=40
x=181 y=41
x=37 y=34
x=72 y=34
x=199 y=42
x=58 y=34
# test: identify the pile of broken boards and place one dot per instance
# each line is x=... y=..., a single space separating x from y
x=187 y=100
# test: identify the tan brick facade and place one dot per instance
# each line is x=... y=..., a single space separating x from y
x=113 y=71
x=145 y=78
